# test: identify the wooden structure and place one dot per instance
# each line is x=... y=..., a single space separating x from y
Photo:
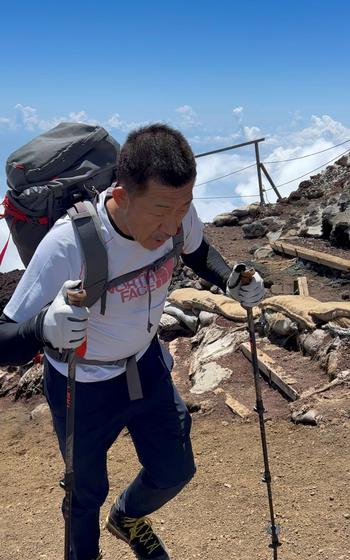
x=324 y=259
x=275 y=373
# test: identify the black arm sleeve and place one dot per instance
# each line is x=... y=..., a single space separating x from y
x=208 y=264
x=19 y=342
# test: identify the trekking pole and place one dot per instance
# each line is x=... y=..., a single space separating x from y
x=75 y=296
x=273 y=529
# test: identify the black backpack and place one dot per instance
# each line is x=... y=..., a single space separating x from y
x=69 y=163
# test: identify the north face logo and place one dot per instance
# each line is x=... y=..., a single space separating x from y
x=137 y=287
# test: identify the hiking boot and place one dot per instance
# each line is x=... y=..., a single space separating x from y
x=137 y=532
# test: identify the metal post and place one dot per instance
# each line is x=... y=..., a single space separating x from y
x=270 y=181
x=229 y=148
x=258 y=167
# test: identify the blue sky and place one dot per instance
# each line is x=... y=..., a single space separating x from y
x=222 y=72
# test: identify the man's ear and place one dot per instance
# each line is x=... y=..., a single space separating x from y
x=121 y=197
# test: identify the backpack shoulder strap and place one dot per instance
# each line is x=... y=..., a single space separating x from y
x=86 y=222
x=178 y=242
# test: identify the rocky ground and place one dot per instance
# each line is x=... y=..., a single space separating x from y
x=223 y=512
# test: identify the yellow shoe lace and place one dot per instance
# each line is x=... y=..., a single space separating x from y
x=141 y=529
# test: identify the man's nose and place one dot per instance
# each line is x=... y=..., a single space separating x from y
x=170 y=226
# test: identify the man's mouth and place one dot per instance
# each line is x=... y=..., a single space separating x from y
x=161 y=239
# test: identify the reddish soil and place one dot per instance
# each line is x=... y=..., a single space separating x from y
x=223 y=512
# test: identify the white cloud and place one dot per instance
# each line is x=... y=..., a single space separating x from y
x=321 y=127
x=215 y=140
x=297 y=118
x=6 y=123
x=251 y=132
x=244 y=133
x=208 y=209
x=28 y=118
x=185 y=109
x=189 y=118
x=238 y=115
x=218 y=165
x=319 y=134
x=115 y=121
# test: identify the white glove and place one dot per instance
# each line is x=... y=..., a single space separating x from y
x=248 y=295
x=64 y=325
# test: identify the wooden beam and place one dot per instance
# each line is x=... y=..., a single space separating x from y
x=274 y=372
x=309 y=255
x=301 y=287
x=236 y=407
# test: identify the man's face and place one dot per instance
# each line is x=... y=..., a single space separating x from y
x=155 y=215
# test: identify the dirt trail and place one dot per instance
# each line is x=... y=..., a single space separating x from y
x=221 y=514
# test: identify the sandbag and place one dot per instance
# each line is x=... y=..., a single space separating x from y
x=331 y=310
x=189 y=318
x=306 y=310
x=190 y=298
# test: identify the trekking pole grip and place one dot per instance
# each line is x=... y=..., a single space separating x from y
x=76 y=296
x=247 y=275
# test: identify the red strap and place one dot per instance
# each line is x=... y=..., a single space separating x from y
x=11 y=210
x=16 y=214
x=81 y=351
x=38 y=358
x=4 y=249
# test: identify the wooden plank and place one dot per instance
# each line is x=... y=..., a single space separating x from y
x=301 y=286
x=273 y=371
x=314 y=256
x=236 y=407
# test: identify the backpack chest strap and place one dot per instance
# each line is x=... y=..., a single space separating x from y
x=174 y=252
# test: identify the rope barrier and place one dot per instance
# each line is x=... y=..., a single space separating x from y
x=270 y=189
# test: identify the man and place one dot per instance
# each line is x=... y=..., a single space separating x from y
x=139 y=214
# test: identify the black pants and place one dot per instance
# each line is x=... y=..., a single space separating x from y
x=159 y=425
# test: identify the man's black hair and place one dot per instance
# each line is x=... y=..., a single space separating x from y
x=155 y=152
